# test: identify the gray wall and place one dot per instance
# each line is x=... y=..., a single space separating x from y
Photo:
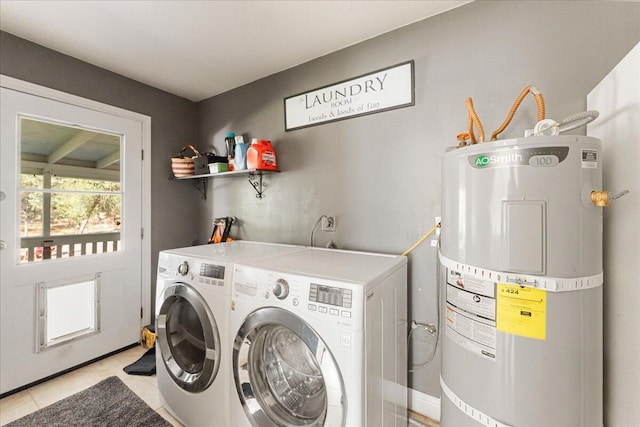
x=380 y=174
x=174 y=207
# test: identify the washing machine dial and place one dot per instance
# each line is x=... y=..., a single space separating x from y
x=281 y=289
x=183 y=268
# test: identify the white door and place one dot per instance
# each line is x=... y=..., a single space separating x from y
x=70 y=230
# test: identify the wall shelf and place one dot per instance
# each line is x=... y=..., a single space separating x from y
x=253 y=175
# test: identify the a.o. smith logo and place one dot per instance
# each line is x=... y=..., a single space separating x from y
x=482 y=161
x=534 y=156
x=496 y=160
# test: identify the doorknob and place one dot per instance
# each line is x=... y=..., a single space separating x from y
x=2 y=244
x=2 y=196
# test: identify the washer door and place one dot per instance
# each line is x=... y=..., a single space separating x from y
x=285 y=374
x=188 y=338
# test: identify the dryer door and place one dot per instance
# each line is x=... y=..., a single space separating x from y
x=188 y=338
x=285 y=374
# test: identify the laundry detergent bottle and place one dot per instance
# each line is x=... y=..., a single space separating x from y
x=261 y=155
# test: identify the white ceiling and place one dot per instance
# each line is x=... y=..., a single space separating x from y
x=198 y=49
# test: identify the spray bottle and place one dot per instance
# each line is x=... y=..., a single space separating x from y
x=230 y=141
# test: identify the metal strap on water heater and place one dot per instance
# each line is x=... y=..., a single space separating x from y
x=479 y=416
x=553 y=284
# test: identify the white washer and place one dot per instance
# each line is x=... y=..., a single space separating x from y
x=192 y=323
x=320 y=339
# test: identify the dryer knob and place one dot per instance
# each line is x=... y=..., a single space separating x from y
x=281 y=289
x=183 y=268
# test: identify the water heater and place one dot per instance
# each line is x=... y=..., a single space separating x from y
x=521 y=243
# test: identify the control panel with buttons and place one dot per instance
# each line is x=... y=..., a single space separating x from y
x=324 y=299
x=211 y=274
x=212 y=271
x=330 y=295
x=197 y=272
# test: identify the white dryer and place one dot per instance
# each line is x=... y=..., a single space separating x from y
x=319 y=339
x=193 y=299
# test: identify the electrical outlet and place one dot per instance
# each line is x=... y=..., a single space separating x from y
x=328 y=223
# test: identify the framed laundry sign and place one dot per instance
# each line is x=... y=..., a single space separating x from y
x=382 y=90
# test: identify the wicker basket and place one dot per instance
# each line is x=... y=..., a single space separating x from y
x=184 y=166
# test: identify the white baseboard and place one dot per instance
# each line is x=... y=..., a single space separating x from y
x=424 y=404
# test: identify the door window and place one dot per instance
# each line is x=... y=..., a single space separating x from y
x=70 y=191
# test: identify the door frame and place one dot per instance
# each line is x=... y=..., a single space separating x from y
x=145 y=121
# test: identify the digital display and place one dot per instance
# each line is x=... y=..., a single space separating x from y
x=329 y=289
x=330 y=295
x=213 y=271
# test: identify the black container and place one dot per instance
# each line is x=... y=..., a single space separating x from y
x=201 y=164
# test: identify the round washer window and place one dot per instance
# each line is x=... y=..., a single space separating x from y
x=282 y=369
x=282 y=365
x=188 y=338
x=185 y=336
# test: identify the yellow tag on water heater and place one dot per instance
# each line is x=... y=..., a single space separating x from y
x=521 y=310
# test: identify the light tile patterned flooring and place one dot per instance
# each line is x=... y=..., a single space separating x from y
x=41 y=395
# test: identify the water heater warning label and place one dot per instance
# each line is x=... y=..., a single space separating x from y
x=471 y=313
x=522 y=311
x=589 y=159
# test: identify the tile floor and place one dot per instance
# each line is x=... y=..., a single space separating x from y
x=41 y=395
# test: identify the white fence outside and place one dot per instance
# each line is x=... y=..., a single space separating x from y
x=39 y=248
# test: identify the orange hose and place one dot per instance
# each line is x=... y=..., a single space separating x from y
x=472 y=137
x=539 y=102
x=474 y=120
